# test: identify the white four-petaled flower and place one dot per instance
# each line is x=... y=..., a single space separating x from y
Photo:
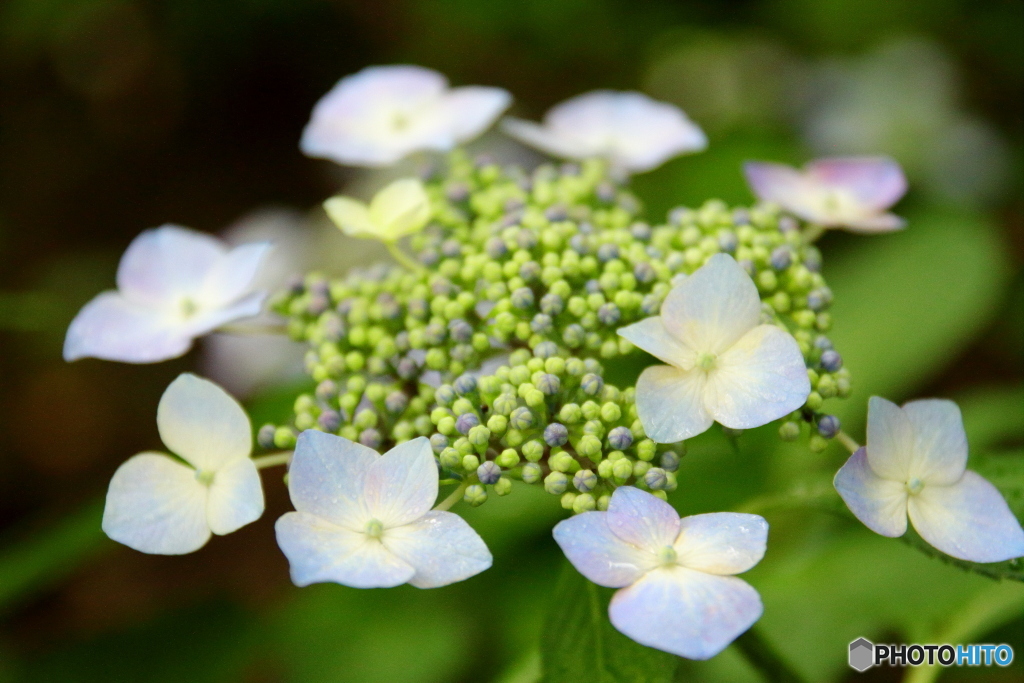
x=845 y=192
x=364 y=520
x=383 y=113
x=400 y=209
x=678 y=593
x=157 y=504
x=723 y=365
x=173 y=285
x=632 y=131
x=915 y=464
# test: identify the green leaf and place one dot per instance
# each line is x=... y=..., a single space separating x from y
x=580 y=644
x=992 y=417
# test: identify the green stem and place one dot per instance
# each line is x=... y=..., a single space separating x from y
x=245 y=329
x=403 y=258
x=812 y=233
x=847 y=442
x=763 y=657
x=453 y=498
x=272 y=460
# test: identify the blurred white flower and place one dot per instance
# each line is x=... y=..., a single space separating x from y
x=678 y=593
x=723 y=365
x=158 y=504
x=364 y=520
x=400 y=209
x=632 y=131
x=915 y=463
x=174 y=285
x=844 y=192
x=383 y=113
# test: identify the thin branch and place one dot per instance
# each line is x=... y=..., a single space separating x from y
x=763 y=657
x=453 y=498
x=272 y=460
x=847 y=442
x=403 y=258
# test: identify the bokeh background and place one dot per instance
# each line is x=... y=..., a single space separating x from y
x=118 y=115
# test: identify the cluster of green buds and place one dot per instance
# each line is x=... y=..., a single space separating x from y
x=538 y=270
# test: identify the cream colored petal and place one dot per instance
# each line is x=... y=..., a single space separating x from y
x=441 y=547
x=721 y=542
x=352 y=216
x=651 y=335
x=670 y=403
x=235 y=498
x=881 y=504
x=201 y=423
x=940 y=442
x=400 y=209
x=401 y=485
x=890 y=440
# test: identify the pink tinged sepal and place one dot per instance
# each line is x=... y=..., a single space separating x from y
x=112 y=328
x=600 y=555
x=641 y=519
x=881 y=504
x=686 y=612
x=968 y=520
x=721 y=542
x=876 y=182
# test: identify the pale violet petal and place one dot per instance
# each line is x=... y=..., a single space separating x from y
x=670 y=403
x=710 y=310
x=940 y=442
x=651 y=335
x=206 y=321
x=235 y=498
x=320 y=552
x=785 y=186
x=890 y=440
x=441 y=547
x=875 y=182
x=642 y=519
x=544 y=139
x=351 y=216
x=200 y=422
x=759 y=379
x=721 y=542
x=599 y=554
x=646 y=133
x=400 y=209
x=163 y=265
x=883 y=222
x=401 y=486
x=881 y=504
x=232 y=276
x=968 y=520
x=326 y=478
x=112 y=328
x=470 y=110
x=156 y=505
x=685 y=612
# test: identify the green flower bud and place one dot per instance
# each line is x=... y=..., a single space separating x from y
x=556 y=483
x=479 y=436
x=507 y=459
x=561 y=461
x=497 y=424
x=622 y=469
x=570 y=414
x=814 y=401
x=568 y=499
x=589 y=446
x=533 y=450
x=446 y=425
x=284 y=437
x=470 y=463
x=503 y=486
x=602 y=502
x=610 y=413
x=789 y=431
x=584 y=503
x=476 y=495
x=817 y=443
x=532 y=473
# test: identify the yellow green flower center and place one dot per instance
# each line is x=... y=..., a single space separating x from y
x=374 y=528
x=706 y=361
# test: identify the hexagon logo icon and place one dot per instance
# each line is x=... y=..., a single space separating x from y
x=862 y=654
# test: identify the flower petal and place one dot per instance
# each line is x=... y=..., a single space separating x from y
x=885 y=222
x=232 y=276
x=401 y=486
x=881 y=504
x=685 y=612
x=544 y=139
x=670 y=403
x=651 y=335
x=760 y=379
x=470 y=110
x=644 y=520
x=201 y=423
x=400 y=209
x=721 y=542
x=320 y=552
x=600 y=555
x=710 y=310
x=236 y=497
x=112 y=328
x=204 y=322
x=940 y=442
x=327 y=476
x=441 y=547
x=351 y=215
x=167 y=263
x=156 y=505
x=646 y=133
x=785 y=186
x=876 y=182
x=968 y=520
x=890 y=440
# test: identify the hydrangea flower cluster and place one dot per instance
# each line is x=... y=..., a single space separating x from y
x=500 y=350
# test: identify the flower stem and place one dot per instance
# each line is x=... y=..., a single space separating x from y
x=403 y=258
x=763 y=657
x=272 y=460
x=812 y=233
x=847 y=442
x=454 y=497
x=244 y=329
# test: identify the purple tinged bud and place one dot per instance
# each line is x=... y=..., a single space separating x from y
x=620 y=438
x=521 y=418
x=556 y=434
x=444 y=395
x=679 y=215
x=727 y=241
x=747 y=265
x=669 y=461
x=460 y=330
x=513 y=204
x=318 y=303
x=781 y=258
x=526 y=238
x=332 y=327
x=371 y=438
x=822 y=343
x=407 y=368
x=438 y=442
x=522 y=298
x=831 y=360
x=574 y=335
x=429 y=257
x=532 y=473
x=640 y=231
x=556 y=213
x=434 y=334
x=295 y=285
x=650 y=305
x=488 y=472
x=605 y=192
x=329 y=421
x=530 y=271
x=608 y=314
x=656 y=479
x=593 y=286
x=541 y=323
x=579 y=244
x=327 y=390
x=457 y=192
x=644 y=272
x=812 y=259
x=396 y=402
x=496 y=248
x=549 y=384
x=265 y=437
x=741 y=217
x=465 y=422
x=828 y=426
x=551 y=304
x=464 y=385
x=451 y=248
x=545 y=350
x=818 y=299
x=607 y=252
x=584 y=481
x=591 y=384
x=320 y=288
x=788 y=224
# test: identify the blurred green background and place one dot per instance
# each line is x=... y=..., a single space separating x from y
x=118 y=115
